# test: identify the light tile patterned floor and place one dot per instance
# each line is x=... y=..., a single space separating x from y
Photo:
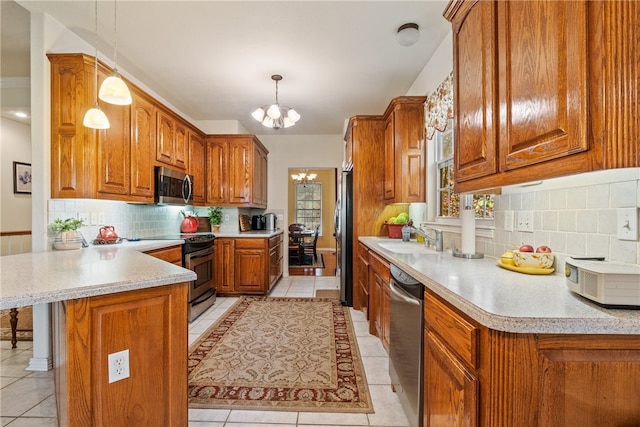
x=26 y=398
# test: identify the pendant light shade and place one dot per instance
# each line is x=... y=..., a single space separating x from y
x=95 y=118
x=114 y=90
x=276 y=116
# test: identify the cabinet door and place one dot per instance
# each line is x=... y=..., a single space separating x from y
x=224 y=256
x=275 y=259
x=180 y=155
x=259 y=178
x=250 y=267
x=375 y=298
x=196 y=167
x=474 y=57
x=72 y=144
x=143 y=146
x=409 y=140
x=166 y=134
x=542 y=49
x=240 y=172
x=217 y=170
x=113 y=151
x=389 y=161
x=361 y=280
x=450 y=390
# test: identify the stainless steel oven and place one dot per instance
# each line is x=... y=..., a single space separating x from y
x=197 y=253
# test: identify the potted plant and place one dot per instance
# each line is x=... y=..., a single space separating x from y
x=215 y=218
x=67 y=235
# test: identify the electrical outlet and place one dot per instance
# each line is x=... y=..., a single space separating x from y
x=627 y=224
x=101 y=218
x=226 y=217
x=118 y=366
x=525 y=221
x=508 y=220
x=94 y=218
x=84 y=217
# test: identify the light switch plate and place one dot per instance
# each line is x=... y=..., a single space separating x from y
x=627 y=224
x=508 y=220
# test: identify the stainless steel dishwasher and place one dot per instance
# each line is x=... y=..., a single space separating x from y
x=405 y=342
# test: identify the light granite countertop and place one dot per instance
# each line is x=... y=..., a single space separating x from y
x=43 y=277
x=505 y=300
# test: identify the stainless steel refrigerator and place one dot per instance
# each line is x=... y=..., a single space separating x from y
x=344 y=237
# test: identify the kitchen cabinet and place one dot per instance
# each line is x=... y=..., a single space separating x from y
x=197 y=161
x=172 y=254
x=247 y=265
x=143 y=147
x=477 y=376
x=361 y=280
x=526 y=105
x=236 y=171
x=152 y=325
x=379 y=298
x=172 y=141
x=404 y=151
x=366 y=134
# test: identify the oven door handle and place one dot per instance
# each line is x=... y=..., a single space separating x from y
x=401 y=294
x=202 y=298
x=199 y=254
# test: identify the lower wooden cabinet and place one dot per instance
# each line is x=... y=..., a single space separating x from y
x=476 y=376
x=247 y=265
x=379 y=298
x=172 y=254
x=150 y=323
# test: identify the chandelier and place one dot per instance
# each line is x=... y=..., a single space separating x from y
x=303 y=176
x=275 y=115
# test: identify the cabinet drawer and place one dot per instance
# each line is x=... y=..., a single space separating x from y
x=380 y=266
x=171 y=254
x=458 y=334
x=250 y=244
x=275 y=240
x=363 y=252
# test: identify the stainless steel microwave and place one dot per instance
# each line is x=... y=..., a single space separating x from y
x=173 y=187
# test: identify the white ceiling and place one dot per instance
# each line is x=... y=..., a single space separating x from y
x=213 y=60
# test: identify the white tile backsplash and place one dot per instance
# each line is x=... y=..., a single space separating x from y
x=574 y=215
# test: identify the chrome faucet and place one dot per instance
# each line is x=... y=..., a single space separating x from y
x=437 y=240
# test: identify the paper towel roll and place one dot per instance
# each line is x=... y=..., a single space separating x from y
x=468 y=224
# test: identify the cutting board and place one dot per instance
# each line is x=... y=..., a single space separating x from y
x=245 y=223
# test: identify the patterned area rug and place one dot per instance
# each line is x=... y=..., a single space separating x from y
x=289 y=354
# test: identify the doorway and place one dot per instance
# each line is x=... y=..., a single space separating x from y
x=311 y=201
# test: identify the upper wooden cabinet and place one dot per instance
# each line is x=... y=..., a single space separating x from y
x=236 y=171
x=172 y=143
x=525 y=97
x=197 y=162
x=404 y=151
x=143 y=147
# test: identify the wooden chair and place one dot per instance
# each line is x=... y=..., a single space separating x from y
x=295 y=239
x=309 y=248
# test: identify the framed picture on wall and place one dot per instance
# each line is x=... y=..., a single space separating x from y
x=21 y=178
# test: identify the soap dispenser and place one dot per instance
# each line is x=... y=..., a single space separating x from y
x=406 y=233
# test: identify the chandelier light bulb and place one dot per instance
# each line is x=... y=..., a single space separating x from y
x=274 y=112
x=258 y=114
x=276 y=116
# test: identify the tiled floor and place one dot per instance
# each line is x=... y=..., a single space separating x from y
x=26 y=398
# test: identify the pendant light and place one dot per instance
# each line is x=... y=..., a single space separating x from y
x=95 y=118
x=275 y=115
x=114 y=90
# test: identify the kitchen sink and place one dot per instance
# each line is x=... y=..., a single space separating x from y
x=406 y=248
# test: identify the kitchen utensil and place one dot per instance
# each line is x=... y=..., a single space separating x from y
x=257 y=222
x=245 y=223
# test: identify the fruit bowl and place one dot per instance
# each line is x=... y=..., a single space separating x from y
x=533 y=259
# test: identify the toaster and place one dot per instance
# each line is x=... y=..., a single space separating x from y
x=611 y=284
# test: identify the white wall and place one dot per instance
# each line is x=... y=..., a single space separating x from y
x=15 y=146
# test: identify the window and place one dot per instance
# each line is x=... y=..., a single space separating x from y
x=309 y=204
x=448 y=199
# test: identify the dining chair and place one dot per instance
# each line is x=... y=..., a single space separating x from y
x=309 y=248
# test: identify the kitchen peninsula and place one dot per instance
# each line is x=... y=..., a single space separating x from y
x=503 y=348
x=108 y=299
